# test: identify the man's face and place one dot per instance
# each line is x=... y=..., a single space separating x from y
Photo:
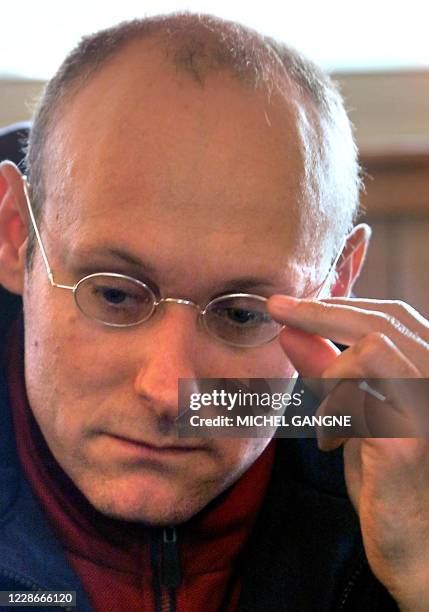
x=203 y=186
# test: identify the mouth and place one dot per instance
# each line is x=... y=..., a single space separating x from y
x=150 y=450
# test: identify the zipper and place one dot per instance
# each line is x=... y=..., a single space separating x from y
x=351 y=584
x=166 y=566
x=32 y=586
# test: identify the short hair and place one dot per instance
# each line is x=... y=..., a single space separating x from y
x=201 y=44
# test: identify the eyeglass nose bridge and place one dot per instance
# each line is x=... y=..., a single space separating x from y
x=179 y=301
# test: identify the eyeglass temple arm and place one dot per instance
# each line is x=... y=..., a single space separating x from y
x=333 y=265
x=36 y=230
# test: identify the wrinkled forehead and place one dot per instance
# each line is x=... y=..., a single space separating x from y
x=142 y=144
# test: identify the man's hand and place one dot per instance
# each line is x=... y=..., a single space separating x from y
x=387 y=478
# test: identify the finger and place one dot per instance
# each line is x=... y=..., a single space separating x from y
x=309 y=354
x=338 y=403
x=403 y=409
x=374 y=356
x=348 y=325
x=398 y=309
x=359 y=414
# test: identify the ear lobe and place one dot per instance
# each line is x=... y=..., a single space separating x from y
x=352 y=260
x=13 y=228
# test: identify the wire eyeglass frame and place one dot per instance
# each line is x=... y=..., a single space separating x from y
x=156 y=302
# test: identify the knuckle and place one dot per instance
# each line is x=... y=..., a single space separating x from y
x=380 y=322
x=401 y=307
x=388 y=322
x=392 y=323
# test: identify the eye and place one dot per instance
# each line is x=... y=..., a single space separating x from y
x=114 y=299
x=241 y=317
x=114 y=296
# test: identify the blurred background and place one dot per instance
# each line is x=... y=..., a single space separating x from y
x=377 y=51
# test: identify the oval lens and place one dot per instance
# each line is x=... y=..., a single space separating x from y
x=114 y=299
x=241 y=320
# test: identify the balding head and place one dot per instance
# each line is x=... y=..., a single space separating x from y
x=198 y=47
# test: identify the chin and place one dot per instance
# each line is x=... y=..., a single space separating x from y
x=159 y=505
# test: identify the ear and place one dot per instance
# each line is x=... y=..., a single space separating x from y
x=13 y=228
x=352 y=260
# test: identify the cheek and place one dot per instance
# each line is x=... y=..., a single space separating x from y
x=68 y=349
x=268 y=361
x=70 y=371
x=277 y=364
x=237 y=455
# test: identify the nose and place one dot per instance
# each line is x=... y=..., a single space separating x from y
x=171 y=348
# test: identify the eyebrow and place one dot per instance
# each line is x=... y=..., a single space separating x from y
x=120 y=254
x=246 y=283
x=131 y=259
x=236 y=285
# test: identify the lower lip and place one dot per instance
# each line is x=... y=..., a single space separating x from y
x=144 y=451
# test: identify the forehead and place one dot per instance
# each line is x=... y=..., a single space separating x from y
x=145 y=148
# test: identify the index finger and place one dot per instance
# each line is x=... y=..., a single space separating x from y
x=396 y=308
x=342 y=323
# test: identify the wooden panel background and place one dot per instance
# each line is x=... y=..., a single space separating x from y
x=397 y=208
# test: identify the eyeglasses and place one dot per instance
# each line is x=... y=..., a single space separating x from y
x=118 y=300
